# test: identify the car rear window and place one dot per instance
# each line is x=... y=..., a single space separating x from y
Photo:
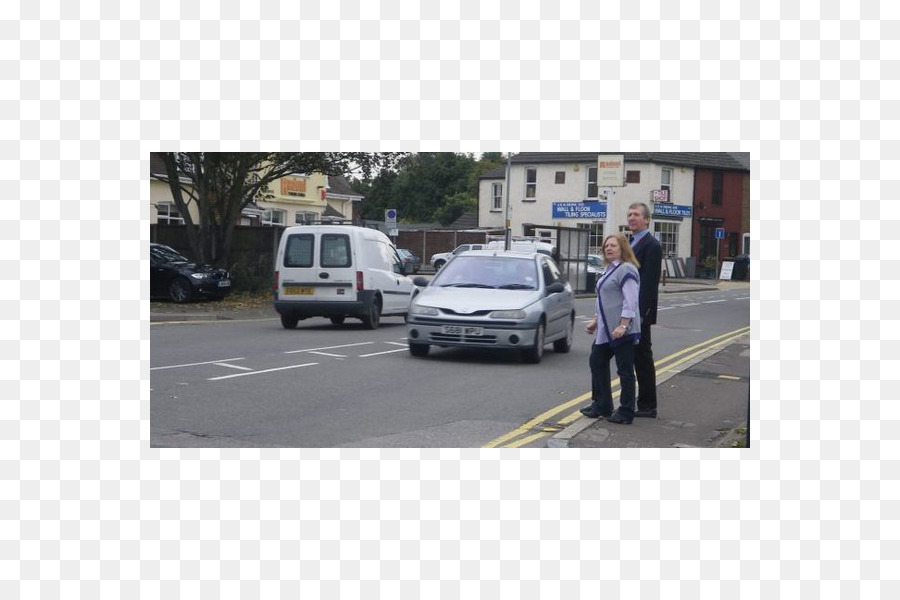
x=298 y=252
x=335 y=250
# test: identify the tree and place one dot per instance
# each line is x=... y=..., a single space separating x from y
x=454 y=206
x=222 y=184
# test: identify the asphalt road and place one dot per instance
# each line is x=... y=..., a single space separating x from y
x=253 y=383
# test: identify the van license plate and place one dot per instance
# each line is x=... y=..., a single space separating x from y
x=298 y=291
x=459 y=330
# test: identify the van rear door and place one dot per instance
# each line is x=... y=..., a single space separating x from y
x=335 y=273
x=297 y=269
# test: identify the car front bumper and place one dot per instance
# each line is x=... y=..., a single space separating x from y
x=508 y=335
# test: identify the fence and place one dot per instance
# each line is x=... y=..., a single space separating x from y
x=426 y=243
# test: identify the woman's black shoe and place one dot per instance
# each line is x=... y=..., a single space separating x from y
x=590 y=413
x=617 y=417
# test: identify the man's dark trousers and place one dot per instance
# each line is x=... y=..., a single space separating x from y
x=646 y=371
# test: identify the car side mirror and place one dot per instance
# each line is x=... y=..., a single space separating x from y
x=555 y=288
x=420 y=281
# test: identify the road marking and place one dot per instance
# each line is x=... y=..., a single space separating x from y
x=730 y=377
x=714 y=301
x=327 y=354
x=221 y=364
x=547 y=415
x=386 y=352
x=743 y=298
x=261 y=372
x=328 y=347
x=209 y=362
x=397 y=343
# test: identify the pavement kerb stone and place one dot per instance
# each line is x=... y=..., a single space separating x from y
x=561 y=439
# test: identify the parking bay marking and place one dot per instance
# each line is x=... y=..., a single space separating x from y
x=386 y=352
x=261 y=372
x=209 y=362
x=239 y=368
x=328 y=347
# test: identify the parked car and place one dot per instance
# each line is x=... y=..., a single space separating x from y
x=339 y=271
x=175 y=277
x=494 y=299
x=411 y=262
x=596 y=264
x=523 y=246
x=440 y=259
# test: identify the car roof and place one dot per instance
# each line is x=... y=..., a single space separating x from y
x=504 y=254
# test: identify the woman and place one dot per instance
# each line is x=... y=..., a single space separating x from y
x=617 y=329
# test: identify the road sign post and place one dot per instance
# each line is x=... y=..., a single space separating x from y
x=720 y=235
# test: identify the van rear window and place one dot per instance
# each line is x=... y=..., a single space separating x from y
x=298 y=253
x=335 y=251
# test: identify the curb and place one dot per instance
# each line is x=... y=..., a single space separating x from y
x=561 y=439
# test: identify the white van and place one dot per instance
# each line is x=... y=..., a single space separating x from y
x=339 y=271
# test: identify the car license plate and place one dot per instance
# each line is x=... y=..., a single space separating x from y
x=298 y=291
x=459 y=330
x=225 y=283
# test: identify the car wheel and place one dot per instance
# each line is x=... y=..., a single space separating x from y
x=180 y=290
x=289 y=321
x=534 y=355
x=438 y=264
x=565 y=344
x=419 y=349
x=337 y=320
x=372 y=320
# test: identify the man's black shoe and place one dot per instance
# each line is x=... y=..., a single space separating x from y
x=590 y=413
x=617 y=417
x=650 y=413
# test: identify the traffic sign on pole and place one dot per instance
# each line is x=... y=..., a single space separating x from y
x=390 y=218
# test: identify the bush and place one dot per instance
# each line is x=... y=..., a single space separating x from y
x=252 y=278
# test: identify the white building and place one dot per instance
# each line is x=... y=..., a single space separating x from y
x=560 y=189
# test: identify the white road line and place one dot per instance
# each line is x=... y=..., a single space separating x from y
x=260 y=372
x=379 y=353
x=714 y=301
x=743 y=298
x=221 y=364
x=327 y=354
x=397 y=344
x=209 y=362
x=328 y=347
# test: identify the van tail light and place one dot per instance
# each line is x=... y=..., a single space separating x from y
x=275 y=289
x=359 y=281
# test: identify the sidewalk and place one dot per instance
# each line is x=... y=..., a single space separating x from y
x=701 y=404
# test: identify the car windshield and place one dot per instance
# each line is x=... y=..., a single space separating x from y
x=166 y=255
x=594 y=261
x=494 y=272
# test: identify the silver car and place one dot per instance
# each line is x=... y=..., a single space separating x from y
x=494 y=299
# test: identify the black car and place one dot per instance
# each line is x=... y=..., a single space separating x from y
x=175 y=277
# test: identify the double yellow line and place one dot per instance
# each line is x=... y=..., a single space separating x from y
x=543 y=424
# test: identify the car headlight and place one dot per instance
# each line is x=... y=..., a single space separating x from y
x=199 y=275
x=428 y=311
x=508 y=314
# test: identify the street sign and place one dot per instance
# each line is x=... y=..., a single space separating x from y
x=720 y=233
x=727 y=268
x=390 y=218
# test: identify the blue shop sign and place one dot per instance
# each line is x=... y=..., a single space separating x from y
x=664 y=209
x=579 y=210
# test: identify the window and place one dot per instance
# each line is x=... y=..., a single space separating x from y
x=272 y=216
x=303 y=217
x=335 y=251
x=667 y=234
x=551 y=273
x=560 y=177
x=595 y=237
x=497 y=194
x=298 y=252
x=530 y=183
x=168 y=214
x=632 y=176
x=717 y=188
x=746 y=245
x=666 y=183
x=592 y=182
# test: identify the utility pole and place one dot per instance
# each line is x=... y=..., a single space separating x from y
x=506 y=185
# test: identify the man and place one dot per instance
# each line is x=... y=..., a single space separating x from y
x=648 y=251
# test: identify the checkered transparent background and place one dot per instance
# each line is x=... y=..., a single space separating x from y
x=90 y=89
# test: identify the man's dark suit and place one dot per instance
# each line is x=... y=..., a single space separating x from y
x=648 y=251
